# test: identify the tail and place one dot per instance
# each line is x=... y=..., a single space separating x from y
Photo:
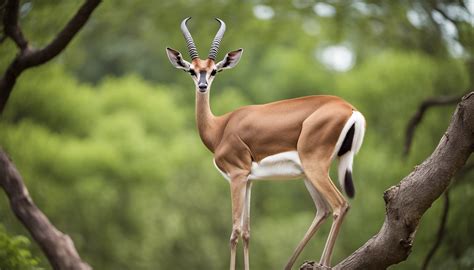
x=348 y=144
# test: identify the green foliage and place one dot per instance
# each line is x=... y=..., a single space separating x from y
x=53 y=105
x=105 y=138
x=15 y=253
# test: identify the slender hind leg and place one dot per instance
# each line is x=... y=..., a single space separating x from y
x=322 y=212
x=316 y=146
x=339 y=212
x=338 y=205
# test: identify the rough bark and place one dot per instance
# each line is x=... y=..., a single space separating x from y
x=58 y=247
x=414 y=122
x=408 y=200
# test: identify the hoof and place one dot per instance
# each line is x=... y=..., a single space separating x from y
x=311 y=265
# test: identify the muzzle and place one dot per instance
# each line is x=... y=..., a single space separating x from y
x=202 y=84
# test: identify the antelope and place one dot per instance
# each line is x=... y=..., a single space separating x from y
x=288 y=139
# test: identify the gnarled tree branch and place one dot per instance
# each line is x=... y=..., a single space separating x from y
x=30 y=57
x=411 y=128
x=408 y=200
x=59 y=43
x=58 y=247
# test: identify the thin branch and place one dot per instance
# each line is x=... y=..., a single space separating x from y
x=440 y=233
x=444 y=215
x=463 y=5
x=418 y=116
x=463 y=172
x=12 y=26
x=445 y=15
x=63 y=38
x=58 y=247
x=29 y=57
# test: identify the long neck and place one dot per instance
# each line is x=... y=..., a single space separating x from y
x=207 y=123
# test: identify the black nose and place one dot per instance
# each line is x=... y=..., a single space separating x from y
x=202 y=86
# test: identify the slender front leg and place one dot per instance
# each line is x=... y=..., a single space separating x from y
x=322 y=212
x=237 y=191
x=246 y=225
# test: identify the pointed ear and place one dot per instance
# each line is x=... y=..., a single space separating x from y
x=231 y=59
x=177 y=60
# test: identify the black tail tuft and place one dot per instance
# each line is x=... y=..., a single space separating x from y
x=347 y=143
x=349 y=185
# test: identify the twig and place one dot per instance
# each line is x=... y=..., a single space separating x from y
x=463 y=172
x=418 y=116
x=444 y=215
x=12 y=26
x=440 y=233
x=445 y=15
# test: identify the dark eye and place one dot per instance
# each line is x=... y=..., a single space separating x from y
x=213 y=73
x=191 y=71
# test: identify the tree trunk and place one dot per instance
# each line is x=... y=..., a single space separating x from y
x=58 y=247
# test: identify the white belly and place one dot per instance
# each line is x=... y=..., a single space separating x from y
x=281 y=166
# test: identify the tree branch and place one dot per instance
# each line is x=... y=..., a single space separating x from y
x=63 y=38
x=58 y=247
x=12 y=26
x=418 y=116
x=444 y=215
x=408 y=200
x=29 y=57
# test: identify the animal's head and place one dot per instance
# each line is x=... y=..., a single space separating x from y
x=203 y=71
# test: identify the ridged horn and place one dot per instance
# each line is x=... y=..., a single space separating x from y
x=217 y=40
x=189 y=39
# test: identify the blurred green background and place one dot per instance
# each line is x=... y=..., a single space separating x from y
x=104 y=134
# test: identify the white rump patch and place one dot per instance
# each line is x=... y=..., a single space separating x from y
x=358 y=119
x=345 y=161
